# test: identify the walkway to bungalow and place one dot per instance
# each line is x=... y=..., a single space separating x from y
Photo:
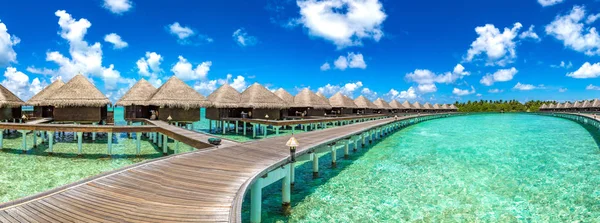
x=205 y=185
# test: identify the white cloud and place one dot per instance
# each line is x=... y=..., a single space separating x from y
x=592 y=18
x=116 y=40
x=241 y=37
x=562 y=90
x=341 y=63
x=206 y=87
x=586 y=70
x=478 y=95
x=545 y=3
x=184 y=71
x=501 y=75
x=410 y=93
x=347 y=89
x=182 y=32
x=7 y=41
x=343 y=22
x=118 y=6
x=530 y=34
x=463 y=92
x=427 y=79
x=495 y=91
x=325 y=66
x=369 y=94
x=149 y=66
x=18 y=83
x=563 y=64
x=524 y=87
x=499 y=47
x=85 y=59
x=592 y=87
x=239 y=82
x=43 y=71
x=573 y=33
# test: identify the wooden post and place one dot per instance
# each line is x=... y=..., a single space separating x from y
x=223 y=123
x=333 y=156
x=277 y=130
x=138 y=143
x=1 y=139
x=24 y=143
x=79 y=142
x=256 y=201
x=254 y=131
x=164 y=145
x=236 y=127
x=315 y=159
x=209 y=126
x=34 y=139
x=50 y=141
x=109 y=151
x=286 y=192
x=160 y=138
x=176 y=147
x=346 y=149
x=244 y=128
x=265 y=131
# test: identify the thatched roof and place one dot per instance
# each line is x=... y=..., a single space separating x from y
x=544 y=106
x=408 y=105
x=552 y=106
x=560 y=105
x=321 y=95
x=417 y=105
x=585 y=104
x=577 y=104
x=257 y=96
x=286 y=96
x=362 y=102
x=436 y=106
x=453 y=107
x=138 y=94
x=595 y=104
x=78 y=92
x=427 y=106
x=48 y=91
x=177 y=94
x=8 y=99
x=308 y=99
x=567 y=105
x=396 y=104
x=445 y=107
x=338 y=100
x=225 y=97
x=381 y=104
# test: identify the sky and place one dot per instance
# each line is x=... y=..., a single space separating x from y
x=435 y=51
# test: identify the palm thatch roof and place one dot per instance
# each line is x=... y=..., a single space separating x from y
x=417 y=105
x=364 y=103
x=286 y=96
x=177 y=94
x=408 y=105
x=427 y=106
x=321 y=95
x=595 y=104
x=453 y=107
x=445 y=107
x=8 y=99
x=48 y=91
x=381 y=104
x=436 y=106
x=138 y=94
x=78 y=92
x=308 y=99
x=567 y=105
x=560 y=105
x=577 y=104
x=225 y=97
x=552 y=106
x=544 y=106
x=338 y=100
x=258 y=97
x=396 y=104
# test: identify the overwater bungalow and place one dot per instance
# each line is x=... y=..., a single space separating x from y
x=453 y=108
x=595 y=105
x=225 y=103
x=436 y=108
x=286 y=96
x=397 y=107
x=176 y=101
x=544 y=107
x=341 y=104
x=258 y=102
x=585 y=104
x=135 y=101
x=36 y=101
x=382 y=106
x=409 y=108
x=445 y=108
x=567 y=106
x=577 y=106
x=310 y=104
x=418 y=107
x=10 y=106
x=363 y=106
x=427 y=107
x=78 y=101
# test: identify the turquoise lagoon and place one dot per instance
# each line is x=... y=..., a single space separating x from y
x=476 y=168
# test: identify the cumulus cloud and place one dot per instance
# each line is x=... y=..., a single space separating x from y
x=343 y=22
x=239 y=82
x=116 y=40
x=524 y=87
x=592 y=87
x=325 y=66
x=149 y=67
x=495 y=91
x=498 y=47
x=118 y=6
x=427 y=79
x=545 y=3
x=353 y=60
x=369 y=94
x=347 y=89
x=185 y=71
x=501 y=75
x=185 y=35
x=241 y=37
x=586 y=70
x=530 y=34
x=206 y=87
x=592 y=18
x=7 y=41
x=85 y=58
x=407 y=94
x=574 y=34
x=463 y=92
x=18 y=83
x=562 y=64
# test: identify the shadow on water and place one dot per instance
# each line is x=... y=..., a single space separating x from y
x=304 y=183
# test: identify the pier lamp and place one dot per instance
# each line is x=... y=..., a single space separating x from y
x=395 y=117
x=169 y=118
x=292 y=143
x=267 y=116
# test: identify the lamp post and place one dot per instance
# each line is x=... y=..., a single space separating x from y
x=292 y=143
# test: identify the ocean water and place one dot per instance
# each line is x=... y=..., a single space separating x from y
x=476 y=168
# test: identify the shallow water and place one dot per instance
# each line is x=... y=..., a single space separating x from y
x=478 y=168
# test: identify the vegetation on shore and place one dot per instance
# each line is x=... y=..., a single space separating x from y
x=500 y=106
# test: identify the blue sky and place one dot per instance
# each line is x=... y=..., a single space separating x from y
x=435 y=50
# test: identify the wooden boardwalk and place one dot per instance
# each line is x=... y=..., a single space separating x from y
x=206 y=185
x=194 y=139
